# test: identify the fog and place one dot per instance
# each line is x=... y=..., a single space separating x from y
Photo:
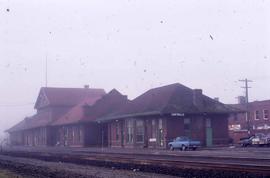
x=132 y=46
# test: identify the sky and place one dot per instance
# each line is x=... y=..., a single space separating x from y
x=131 y=45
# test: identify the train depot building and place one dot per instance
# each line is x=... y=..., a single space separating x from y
x=51 y=104
x=89 y=117
x=161 y=114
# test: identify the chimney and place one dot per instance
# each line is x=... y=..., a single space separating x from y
x=86 y=86
x=241 y=99
x=216 y=98
x=197 y=97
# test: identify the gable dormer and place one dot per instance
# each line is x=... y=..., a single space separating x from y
x=42 y=100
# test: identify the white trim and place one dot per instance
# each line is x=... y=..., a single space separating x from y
x=255 y=115
x=264 y=114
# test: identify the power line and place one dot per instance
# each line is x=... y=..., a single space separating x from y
x=16 y=105
x=246 y=87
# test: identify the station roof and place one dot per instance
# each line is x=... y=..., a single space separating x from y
x=50 y=96
x=56 y=97
x=174 y=98
x=85 y=112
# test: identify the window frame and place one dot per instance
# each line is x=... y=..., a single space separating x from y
x=256 y=115
x=140 y=133
x=117 y=131
x=265 y=118
x=130 y=131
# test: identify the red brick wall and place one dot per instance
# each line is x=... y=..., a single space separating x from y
x=35 y=137
x=198 y=129
x=220 y=130
x=175 y=128
x=172 y=128
x=147 y=122
x=116 y=126
x=71 y=135
x=236 y=135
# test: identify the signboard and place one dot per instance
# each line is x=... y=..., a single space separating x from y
x=177 y=114
x=152 y=140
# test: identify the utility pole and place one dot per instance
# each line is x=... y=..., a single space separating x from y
x=246 y=87
x=46 y=71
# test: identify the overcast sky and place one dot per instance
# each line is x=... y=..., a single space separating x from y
x=131 y=45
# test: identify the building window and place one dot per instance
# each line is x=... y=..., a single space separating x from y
x=117 y=131
x=80 y=134
x=153 y=135
x=256 y=115
x=139 y=131
x=265 y=114
x=130 y=131
x=187 y=126
x=73 y=134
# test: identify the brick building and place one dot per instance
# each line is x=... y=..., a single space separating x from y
x=90 y=117
x=161 y=114
x=51 y=104
x=259 y=120
x=78 y=127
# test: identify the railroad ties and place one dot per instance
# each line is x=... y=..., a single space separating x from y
x=184 y=164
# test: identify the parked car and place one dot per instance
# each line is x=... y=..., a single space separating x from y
x=268 y=139
x=258 y=139
x=184 y=143
x=246 y=141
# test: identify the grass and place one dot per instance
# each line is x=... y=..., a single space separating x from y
x=8 y=174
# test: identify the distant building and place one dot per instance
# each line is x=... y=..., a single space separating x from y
x=258 y=122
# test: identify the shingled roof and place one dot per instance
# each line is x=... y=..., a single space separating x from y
x=37 y=120
x=87 y=112
x=67 y=96
x=19 y=126
x=174 y=98
x=56 y=97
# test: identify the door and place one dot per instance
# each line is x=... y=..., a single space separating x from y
x=122 y=134
x=65 y=136
x=160 y=133
x=209 y=133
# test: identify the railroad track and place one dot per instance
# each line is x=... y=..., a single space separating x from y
x=182 y=162
x=168 y=164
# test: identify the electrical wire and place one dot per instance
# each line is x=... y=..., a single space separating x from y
x=16 y=105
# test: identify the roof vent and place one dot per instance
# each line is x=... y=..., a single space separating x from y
x=86 y=86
